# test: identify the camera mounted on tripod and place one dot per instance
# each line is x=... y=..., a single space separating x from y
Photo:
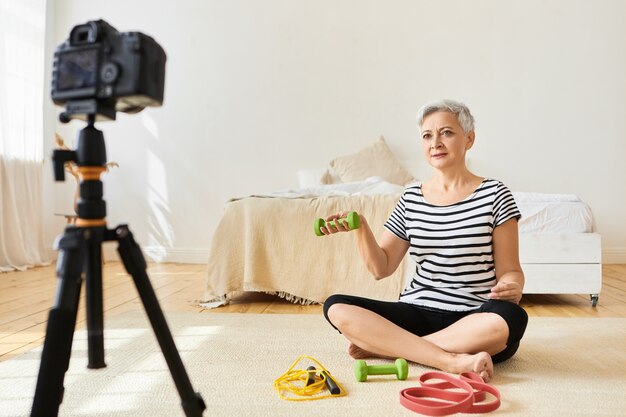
x=100 y=71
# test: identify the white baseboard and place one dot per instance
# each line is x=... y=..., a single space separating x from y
x=153 y=254
x=184 y=256
x=614 y=256
x=160 y=254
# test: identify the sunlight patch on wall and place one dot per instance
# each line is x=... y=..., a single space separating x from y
x=150 y=124
x=160 y=229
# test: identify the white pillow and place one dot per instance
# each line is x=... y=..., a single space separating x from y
x=375 y=160
x=311 y=177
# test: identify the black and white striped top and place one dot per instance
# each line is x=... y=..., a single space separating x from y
x=452 y=245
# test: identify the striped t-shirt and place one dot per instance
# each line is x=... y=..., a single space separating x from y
x=452 y=245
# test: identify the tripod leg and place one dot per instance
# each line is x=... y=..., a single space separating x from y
x=130 y=252
x=57 y=348
x=93 y=295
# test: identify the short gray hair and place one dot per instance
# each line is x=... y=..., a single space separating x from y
x=460 y=110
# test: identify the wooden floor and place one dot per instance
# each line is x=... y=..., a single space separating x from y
x=26 y=297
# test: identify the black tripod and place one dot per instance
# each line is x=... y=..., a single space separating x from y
x=80 y=255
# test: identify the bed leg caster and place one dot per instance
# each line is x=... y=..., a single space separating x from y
x=593 y=298
x=353 y=220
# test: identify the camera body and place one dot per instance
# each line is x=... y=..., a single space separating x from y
x=100 y=71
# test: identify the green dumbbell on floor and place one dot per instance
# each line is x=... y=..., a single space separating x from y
x=400 y=369
x=353 y=220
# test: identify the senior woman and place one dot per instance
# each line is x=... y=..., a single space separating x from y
x=460 y=312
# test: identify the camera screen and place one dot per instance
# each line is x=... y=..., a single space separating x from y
x=77 y=69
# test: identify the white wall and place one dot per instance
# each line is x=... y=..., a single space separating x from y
x=256 y=90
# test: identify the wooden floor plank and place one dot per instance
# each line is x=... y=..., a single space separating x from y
x=26 y=297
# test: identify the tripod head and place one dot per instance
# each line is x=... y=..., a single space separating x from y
x=90 y=156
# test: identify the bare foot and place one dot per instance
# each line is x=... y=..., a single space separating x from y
x=357 y=353
x=360 y=353
x=479 y=363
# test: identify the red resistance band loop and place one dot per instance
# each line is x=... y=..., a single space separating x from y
x=436 y=399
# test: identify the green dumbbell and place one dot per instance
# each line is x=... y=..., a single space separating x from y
x=353 y=220
x=400 y=369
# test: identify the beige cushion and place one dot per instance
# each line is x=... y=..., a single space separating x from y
x=375 y=160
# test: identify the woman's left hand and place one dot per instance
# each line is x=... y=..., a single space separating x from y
x=506 y=291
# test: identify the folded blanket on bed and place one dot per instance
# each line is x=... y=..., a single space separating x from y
x=268 y=245
x=368 y=186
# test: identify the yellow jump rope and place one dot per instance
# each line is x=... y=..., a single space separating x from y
x=307 y=384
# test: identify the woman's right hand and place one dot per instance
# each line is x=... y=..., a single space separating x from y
x=337 y=226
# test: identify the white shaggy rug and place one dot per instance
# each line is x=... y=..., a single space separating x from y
x=565 y=366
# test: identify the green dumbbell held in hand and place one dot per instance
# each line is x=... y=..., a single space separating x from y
x=400 y=369
x=353 y=220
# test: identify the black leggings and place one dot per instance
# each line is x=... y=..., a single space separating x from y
x=423 y=321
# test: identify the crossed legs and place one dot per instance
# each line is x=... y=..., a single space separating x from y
x=466 y=345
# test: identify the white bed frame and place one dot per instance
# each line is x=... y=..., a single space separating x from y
x=568 y=263
x=562 y=264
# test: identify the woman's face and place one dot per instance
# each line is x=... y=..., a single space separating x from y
x=443 y=140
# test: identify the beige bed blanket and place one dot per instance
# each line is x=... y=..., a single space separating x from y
x=268 y=245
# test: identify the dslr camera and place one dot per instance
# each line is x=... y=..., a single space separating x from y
x=100 y=71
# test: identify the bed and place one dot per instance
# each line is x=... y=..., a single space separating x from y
x=265 y=243
x=560 y=251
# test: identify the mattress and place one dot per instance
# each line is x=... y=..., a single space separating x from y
x=541 y=212
x=553 y=213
